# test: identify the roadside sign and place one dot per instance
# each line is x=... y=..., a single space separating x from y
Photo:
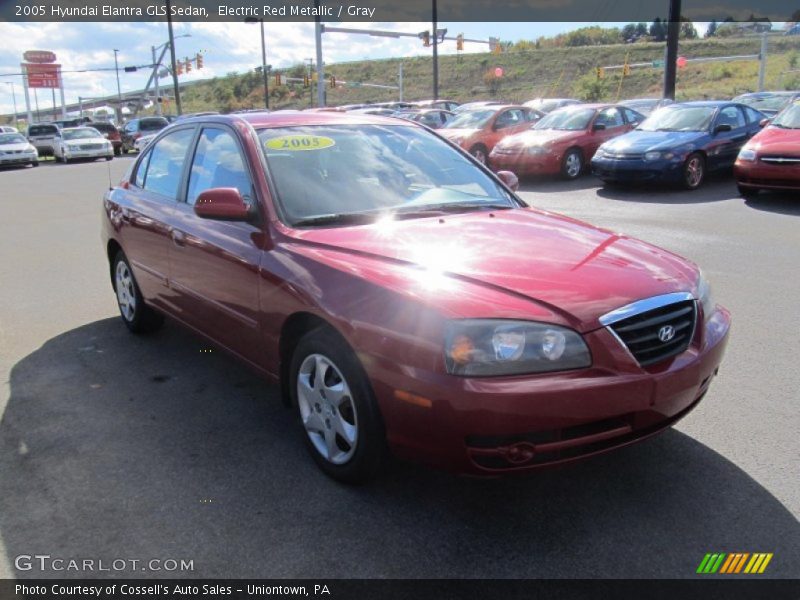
x=39 y=56
x=498 y=71
x=658 y=64
x=681 y=62
x=43 y=75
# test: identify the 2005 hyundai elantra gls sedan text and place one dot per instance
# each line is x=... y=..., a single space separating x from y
x=403 y=295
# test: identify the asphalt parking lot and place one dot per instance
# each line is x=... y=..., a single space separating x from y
x=122 y=447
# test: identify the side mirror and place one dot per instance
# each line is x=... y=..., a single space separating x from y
x=635 y=124
x=599 y=126
x=223 y=204
x=510 y=179
x=723 y=127
x=764 y=122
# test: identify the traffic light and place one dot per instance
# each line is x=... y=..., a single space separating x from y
x=179 y=68
x=199 y=60
x=601 y=72
x=460 y=41
x=333 y=81
x=306 y=80
x=188 y=65
x=626 y=70
x=277 y=79
x=426 y=38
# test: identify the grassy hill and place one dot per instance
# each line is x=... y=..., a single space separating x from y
x=553 y=72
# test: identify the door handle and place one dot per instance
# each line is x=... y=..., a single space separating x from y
x=178 y=237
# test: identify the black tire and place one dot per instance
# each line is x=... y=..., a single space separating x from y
x=109 y=158
x=370 y=445
x=694 y=171
x=35 y=163
x=572 y=165
x=142 y=319
x=117 y=151
x=747 y=192
x=480 y=152
x=124 y=149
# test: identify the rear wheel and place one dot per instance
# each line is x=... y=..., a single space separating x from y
x=137 y=316
x=109 y=157
x=338 y=413
x=572 y=164
x=694 y=171
x=480 y=153
x=35 y=163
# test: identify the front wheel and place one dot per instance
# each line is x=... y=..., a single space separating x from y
x=137 y=316
x=109 y=157
x=338 y=413
x=572 y=165
x=694 y=171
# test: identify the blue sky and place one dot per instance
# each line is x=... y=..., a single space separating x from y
x=227 y=47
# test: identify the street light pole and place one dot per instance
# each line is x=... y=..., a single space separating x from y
x=172 y=60
x=155 y=81
x=119 y=92
x=14 y=98
x=435 y=54
x=264 y=73
x=673 y=33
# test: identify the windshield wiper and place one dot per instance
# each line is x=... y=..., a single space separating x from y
x=335 y=219
x=449 y=207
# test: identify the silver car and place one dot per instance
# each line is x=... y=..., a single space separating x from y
x=43 y=136
x=82 y=142
x=16 y=150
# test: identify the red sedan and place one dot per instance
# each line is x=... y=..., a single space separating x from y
x=478 y=130
x=563 y=141
x=771 y=159
x=404 y=297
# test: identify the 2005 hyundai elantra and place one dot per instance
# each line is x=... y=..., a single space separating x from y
x=404 y=296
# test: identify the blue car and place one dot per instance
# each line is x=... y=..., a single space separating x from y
x=679 y=144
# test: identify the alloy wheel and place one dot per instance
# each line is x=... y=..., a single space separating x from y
x=126 y=293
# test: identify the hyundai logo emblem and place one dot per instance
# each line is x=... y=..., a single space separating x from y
x=666 y=333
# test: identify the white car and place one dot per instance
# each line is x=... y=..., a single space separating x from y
x=142 y=142
x=82 y=142
x=16 y=150
x=8 y=129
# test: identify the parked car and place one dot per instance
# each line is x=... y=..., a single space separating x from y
x=646 y=106
x=769 y=103
x=449 y=105
x=478 y=104
x=564 y=140
x=82 y=142
x=771 y=159
x=547 y=105
x=43 y=136
x=434 y=118
x=373 y=110
x=16 y=150
x=478 y=130
x=679 y=143
x=135 y=128
x=111 y=133
x=404 y=296
x=8 y=129
x=142 y=142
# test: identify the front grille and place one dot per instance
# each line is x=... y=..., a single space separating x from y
x=91 y=146
x=624 y=156
x=782 y=160
x=648 y=336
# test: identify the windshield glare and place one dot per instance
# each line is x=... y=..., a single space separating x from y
x=471 y=119
x=567 y=119
x=789 y=118
x=80 y=134
x=11 y=138
x=772 y=103
x=679 y=118
x=373 y=170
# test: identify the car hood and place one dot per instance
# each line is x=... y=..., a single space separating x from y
x=774 y=140
x=572 y=269
x=458 y=133
x=538 y=137
x=635 y=142
x=15 y=147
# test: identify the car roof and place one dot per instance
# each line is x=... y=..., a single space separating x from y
x=76 y=128
x=708 y=103
x=293 y=119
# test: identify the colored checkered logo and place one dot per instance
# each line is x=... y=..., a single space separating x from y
x=734 y=563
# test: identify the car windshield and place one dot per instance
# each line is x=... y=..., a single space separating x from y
x=11 y=138
x=789 y=118
x=80 y=134
x=359 y=173
x=770 y=103
x=471 y=119
x=679 y=118
x=568 y=119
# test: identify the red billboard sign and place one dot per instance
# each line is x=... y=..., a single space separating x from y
x=43 y=75
x=39 y=56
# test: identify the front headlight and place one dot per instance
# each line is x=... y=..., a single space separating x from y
x=487 y=347
x=652 y=155
x=537 y=150
x=704 y=296
x=747 y=154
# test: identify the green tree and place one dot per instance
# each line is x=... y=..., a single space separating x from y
x=658 y=30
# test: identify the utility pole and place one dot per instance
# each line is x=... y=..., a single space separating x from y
x=119 y=92
x=264 y=66
x=172 y=58
x=14 y=98
x=400 y=81
x=156 y=66
x=320 y=73
x=762 y=66
x=435 y=54
x=673 y=32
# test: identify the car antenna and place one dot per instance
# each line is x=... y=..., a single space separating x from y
x=110 y=187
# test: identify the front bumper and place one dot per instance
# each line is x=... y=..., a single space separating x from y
x=760 y=175
x=526 y=164
x=499 y=425
x=97 y=153
x=19 y=159
x=635 y=170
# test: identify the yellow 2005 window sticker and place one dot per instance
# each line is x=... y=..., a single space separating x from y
x=299 y=143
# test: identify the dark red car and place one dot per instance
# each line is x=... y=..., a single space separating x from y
x=404 y=296
x=479 y=129
x=771 y=159
x=563 y=141
x=110 y=132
